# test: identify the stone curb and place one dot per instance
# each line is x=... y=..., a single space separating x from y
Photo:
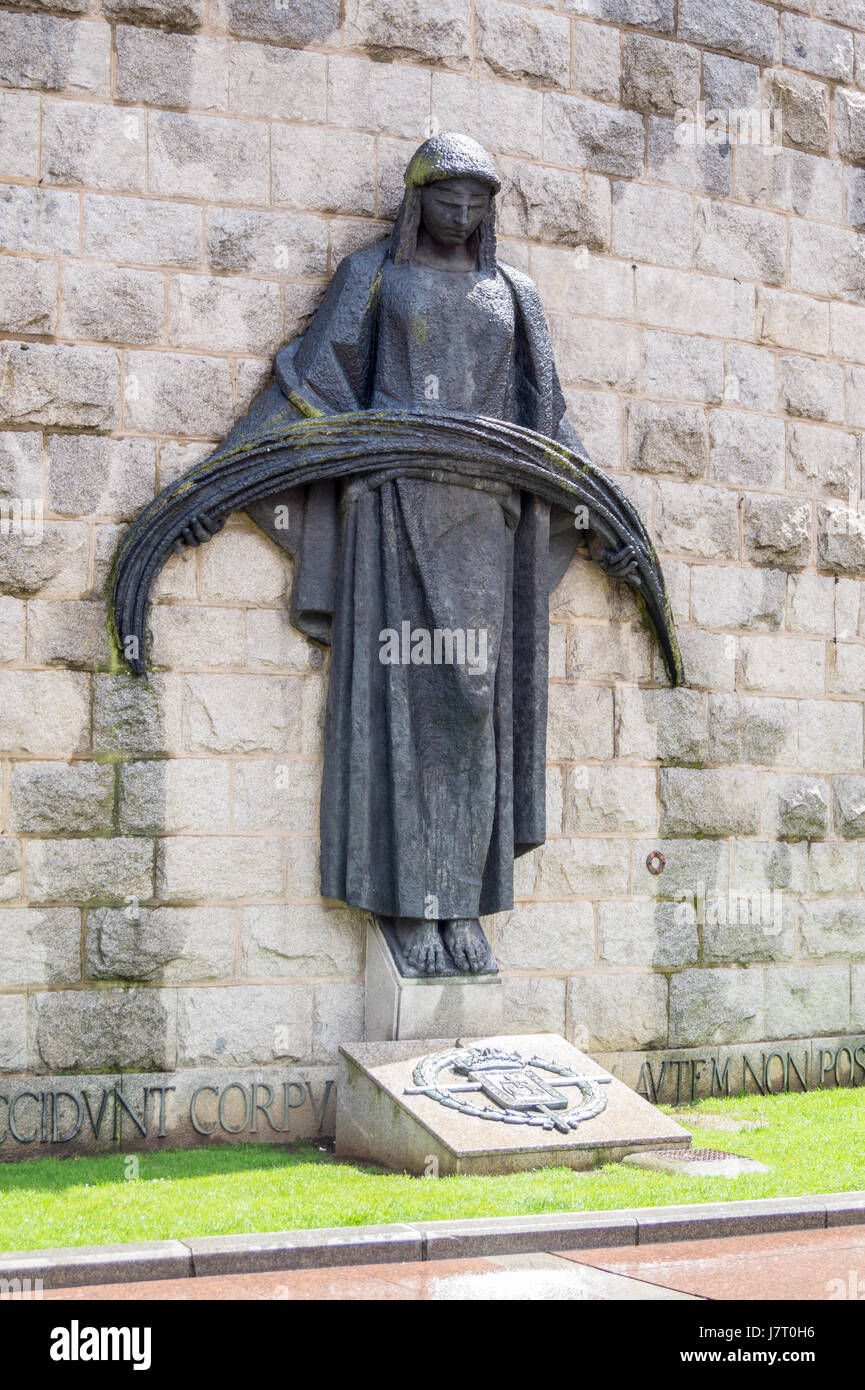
x=427 y=1240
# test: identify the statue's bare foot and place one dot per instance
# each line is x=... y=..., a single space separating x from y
x=421 y=944
x=469 y=948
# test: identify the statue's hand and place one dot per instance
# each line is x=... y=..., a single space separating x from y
x=619 y=563
x=200 y=528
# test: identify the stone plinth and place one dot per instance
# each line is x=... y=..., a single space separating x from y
x=377 y=1121
x=447 y=1006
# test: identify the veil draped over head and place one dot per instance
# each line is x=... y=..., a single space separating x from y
x=446 y=157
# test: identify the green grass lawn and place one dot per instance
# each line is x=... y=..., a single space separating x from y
x=813 y=1143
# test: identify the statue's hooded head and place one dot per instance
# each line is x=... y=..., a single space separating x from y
x=446 y=157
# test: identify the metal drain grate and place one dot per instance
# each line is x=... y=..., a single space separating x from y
x=692 y=1155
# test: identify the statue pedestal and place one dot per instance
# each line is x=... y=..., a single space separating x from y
x=447 y=1006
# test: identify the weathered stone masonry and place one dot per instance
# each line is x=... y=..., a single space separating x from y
x=179 y=181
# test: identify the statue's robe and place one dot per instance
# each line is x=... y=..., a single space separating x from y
x=434 y=775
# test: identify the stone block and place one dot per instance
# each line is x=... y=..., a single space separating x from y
x=827 y=261
x=848 y=332
x=102 y=1030
x=284 y=83
x=776 y=531
x=190 y=635
x=136 y=716
x=592 y=352
x=177 y=393
x=831 y=928
x=807 y=1000
x=709 y=802
x=792 y=321
x=89 y=870
x=112 y=304
x=565 y=868
x=171 y=945
x=227 y=868
x=716 y=1005
x=731 y=596
x=658 y=76
x=546 y=936
x=40 y=947
x=598 y=62
x=293 y=22
x=652 y=224
x=694 y=304
x=322 y=170
x=834 y=867
x=55 y=55
x=735 y=26
x=666 y=724
x=244 y=1025
x=821 y=49
x=44 y=713
x=503 y=116
x=181 y=795
x=54 y=384
x=840 y=539
x=93 y=145
x=58 y=798
x=846 y=675
x=807 y=184
x=700 y=521
x=746 y=242
x=530 y=45
x=822 y=462
x=752 y=729
x=678 y=365
x=616 y=799
x=242 y=714
x=811 y=389
x=266 y=243
x=747 y=449
x=749 y=379
x=147 y=231
x=169 y=14
x=582 y=134
x=636 y=933
x=618 y=1010
x=849 y=807
x=687 y=164
x=223 y=315
x=19 y=135
x=795 y=807
x=28 y=295
x=301 y=940
x=223 y=160
x=177 y=70
x=579 y=723
x=555 y=205
x=830 y=734
x=276 y=795
x=784 y=665
x=92 y=476
x=12 y=629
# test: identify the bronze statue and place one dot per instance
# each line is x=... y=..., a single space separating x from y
x=416 y=434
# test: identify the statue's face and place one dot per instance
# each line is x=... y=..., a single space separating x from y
x=454 y=208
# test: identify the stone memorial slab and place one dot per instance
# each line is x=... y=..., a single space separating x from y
x=500 y=1104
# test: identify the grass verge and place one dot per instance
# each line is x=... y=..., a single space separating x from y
x=813 y=1143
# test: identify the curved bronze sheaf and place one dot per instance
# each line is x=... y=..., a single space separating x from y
x=336 y=446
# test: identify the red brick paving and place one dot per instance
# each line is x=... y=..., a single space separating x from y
x=789 y=1265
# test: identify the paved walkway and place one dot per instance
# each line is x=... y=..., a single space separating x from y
x=792 y=1265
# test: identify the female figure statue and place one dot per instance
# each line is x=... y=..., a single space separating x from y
x=431 y=586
